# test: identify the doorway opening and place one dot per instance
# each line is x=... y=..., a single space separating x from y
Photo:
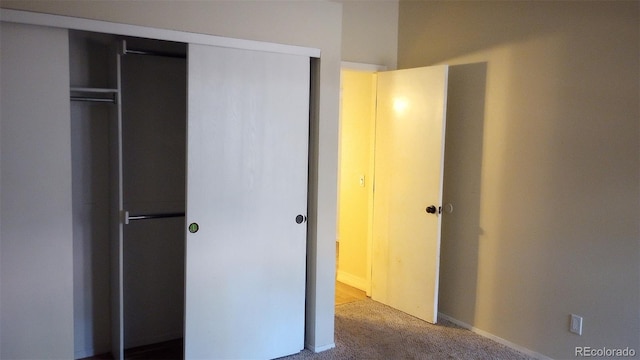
x=389 y=238
x=355 y=181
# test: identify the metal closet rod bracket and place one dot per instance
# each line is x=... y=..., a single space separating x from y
x=127 y=218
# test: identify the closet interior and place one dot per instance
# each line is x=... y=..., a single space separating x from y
x=128 y=126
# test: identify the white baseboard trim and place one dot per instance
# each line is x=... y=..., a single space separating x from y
x=495 y=338
x=317 y=349
x=351 y=280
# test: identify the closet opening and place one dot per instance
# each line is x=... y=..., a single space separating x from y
x=128 y=105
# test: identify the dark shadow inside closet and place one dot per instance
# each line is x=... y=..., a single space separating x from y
x=146 y=89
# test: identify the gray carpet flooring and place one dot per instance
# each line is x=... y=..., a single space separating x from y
x=368 y=330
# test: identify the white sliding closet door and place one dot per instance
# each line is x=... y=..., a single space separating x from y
x=247 y=154
x=36 y=236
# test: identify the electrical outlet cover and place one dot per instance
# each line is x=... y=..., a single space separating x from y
x=575 y=325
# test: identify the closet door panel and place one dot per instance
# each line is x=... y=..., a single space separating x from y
x=248 y=118
x=36 y=262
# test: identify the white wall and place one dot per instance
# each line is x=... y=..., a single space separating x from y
x=308 y=23
x=542 y=165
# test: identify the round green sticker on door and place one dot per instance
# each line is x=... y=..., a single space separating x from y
x=193 y=228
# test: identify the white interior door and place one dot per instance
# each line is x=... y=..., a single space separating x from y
x=247 y=154
x=409 y=157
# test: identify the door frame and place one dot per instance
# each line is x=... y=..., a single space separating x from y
x=370 y=69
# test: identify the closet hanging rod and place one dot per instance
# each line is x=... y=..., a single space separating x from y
x=154 y=53
x=92 y=99
x=124 y=50
x=128 y=218
x=92 y=90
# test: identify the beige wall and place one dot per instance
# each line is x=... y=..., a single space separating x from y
x=370 y=32
x=542 y=166
x=307 y=23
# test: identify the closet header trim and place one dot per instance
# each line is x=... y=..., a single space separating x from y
x=72 y=23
